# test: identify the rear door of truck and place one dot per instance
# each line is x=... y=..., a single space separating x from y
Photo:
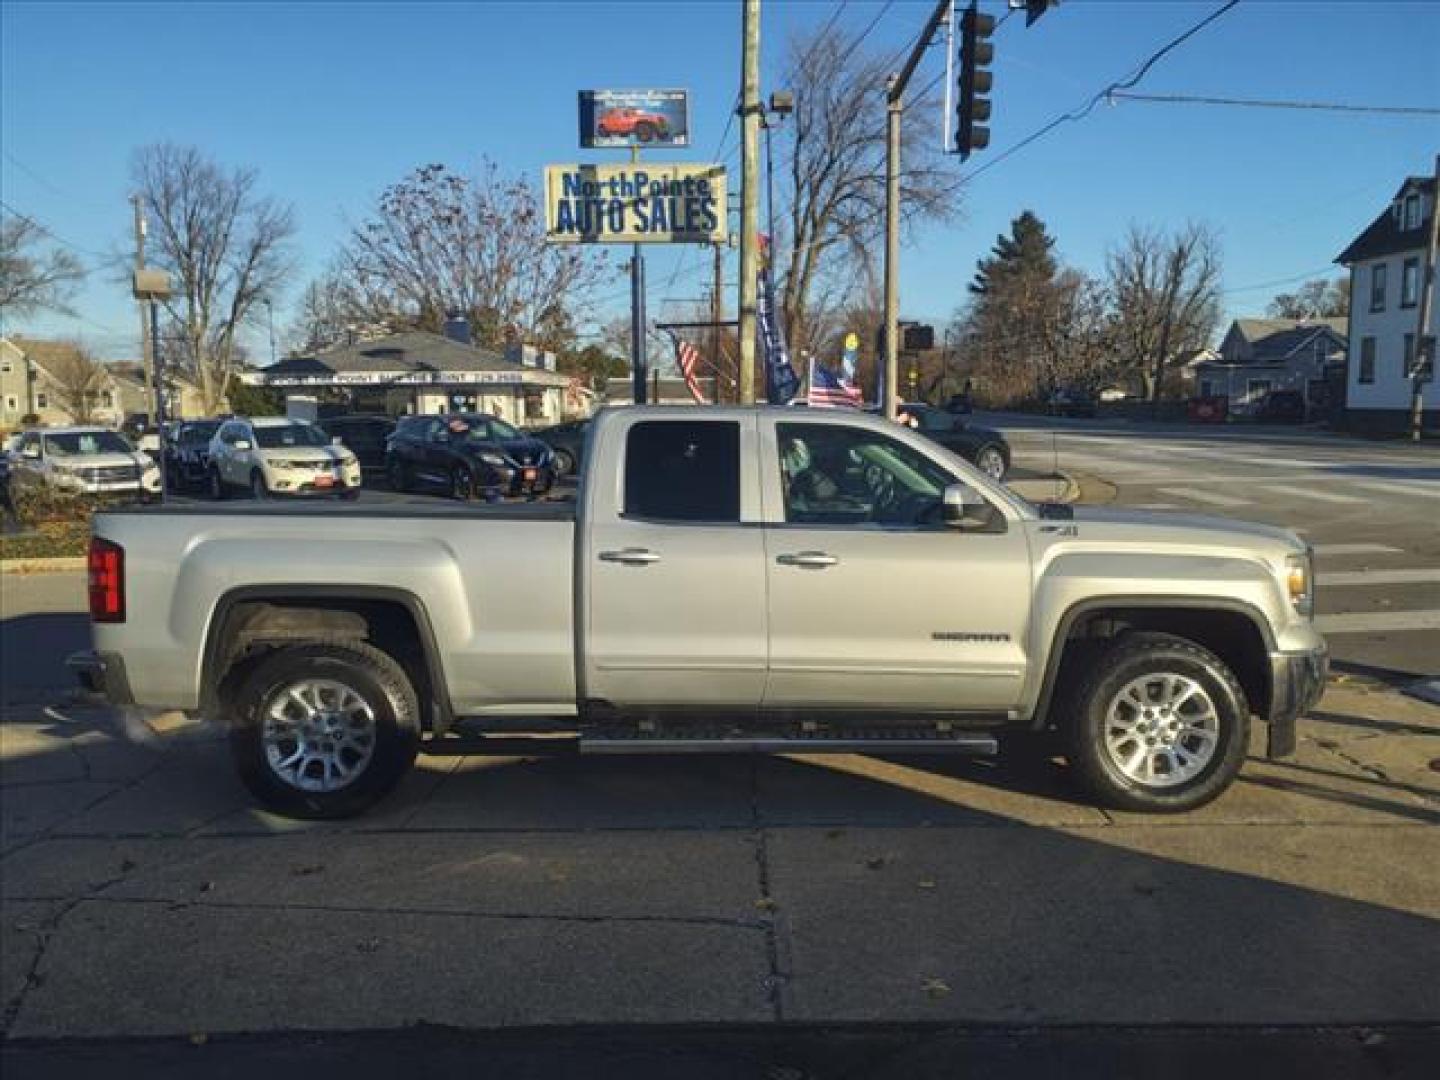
x=672 y=562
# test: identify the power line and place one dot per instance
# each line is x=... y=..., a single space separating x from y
x=833 y=16
x=57 y=237
x=1328 y=268
x=1080 y=113
x=1254 y=103
x=864 y=33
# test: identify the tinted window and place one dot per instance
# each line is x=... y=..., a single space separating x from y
x=683 y=470
x=193 y=434
x=89 y=442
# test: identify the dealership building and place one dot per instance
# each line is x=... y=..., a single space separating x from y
x=420 y=372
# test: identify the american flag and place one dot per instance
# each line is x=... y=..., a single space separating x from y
x=688 y=358
x=828 y=390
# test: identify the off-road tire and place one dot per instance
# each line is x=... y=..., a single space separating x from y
x=376 y=677
x=1085 y=715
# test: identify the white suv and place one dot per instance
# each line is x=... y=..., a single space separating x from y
x=271 y=455
x=84 y=460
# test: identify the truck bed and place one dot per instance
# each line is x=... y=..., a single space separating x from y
x=368 y=505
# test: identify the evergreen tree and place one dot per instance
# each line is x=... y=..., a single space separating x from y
x=1025 y=257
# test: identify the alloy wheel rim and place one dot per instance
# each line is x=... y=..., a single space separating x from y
x=1161 y=729
x=992 y=464
x=318 y=734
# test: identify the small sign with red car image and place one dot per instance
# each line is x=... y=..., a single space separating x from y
x=623 y=118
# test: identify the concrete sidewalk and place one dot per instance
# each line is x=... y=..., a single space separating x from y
x=144 y=895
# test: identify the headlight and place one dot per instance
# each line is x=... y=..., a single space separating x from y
x=497 y=460
x=1300 y=583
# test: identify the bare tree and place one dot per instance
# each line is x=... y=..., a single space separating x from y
x=1166 y=293
x=32 y=280
x=832 y=183
x=1316 y=299
x=439 y=243
x=77 y=380
x=225 y=246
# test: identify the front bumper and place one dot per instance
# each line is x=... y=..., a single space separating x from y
x=1297 y=679
x=513 y=482
x=103 y=674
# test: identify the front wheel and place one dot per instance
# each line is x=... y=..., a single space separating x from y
x=215 y=485
x=462 y=484
x=324 y=730
x=395 y=475
x=1160 y=725
x=991 y=462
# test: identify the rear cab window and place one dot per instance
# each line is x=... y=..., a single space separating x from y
x=683 y=471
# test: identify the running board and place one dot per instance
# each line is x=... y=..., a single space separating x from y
x=957 y=744
x=521 y=746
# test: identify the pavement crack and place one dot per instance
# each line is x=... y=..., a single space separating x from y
x=776 y=978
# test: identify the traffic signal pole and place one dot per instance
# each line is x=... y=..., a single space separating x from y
x=894 y=111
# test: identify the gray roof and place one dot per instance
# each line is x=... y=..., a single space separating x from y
x=413 y=351
x=1256 y=331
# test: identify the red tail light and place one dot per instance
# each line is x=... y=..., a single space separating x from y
x=107 y=581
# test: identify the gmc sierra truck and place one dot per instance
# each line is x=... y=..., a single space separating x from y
x=727 y=579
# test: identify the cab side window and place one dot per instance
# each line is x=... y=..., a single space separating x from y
x=839 y=475
x=683 y=470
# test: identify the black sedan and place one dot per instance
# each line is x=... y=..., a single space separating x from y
x=568 y=443
x=364 y=435
x=985 y=448
x=467 y=456
x=187 y=453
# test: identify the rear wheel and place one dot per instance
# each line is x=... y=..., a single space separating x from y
x=1159 y=724
x=324 y=730
x=395 y=475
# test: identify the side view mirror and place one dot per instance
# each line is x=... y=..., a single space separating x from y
x=241 y=444
x=964 y=506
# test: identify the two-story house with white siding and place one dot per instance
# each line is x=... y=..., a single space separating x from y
x=1386 y=264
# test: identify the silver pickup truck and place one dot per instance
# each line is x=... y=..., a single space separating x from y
x=727 y=579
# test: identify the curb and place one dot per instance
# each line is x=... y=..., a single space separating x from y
x=57 y=565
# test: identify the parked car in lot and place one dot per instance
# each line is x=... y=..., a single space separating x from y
x=730 y=579
x=85 y=461
x=1280 y=407
x=187 y=453
x=467 y=456
x=567 y=443
x=983 y=447
x=271 y=455
x=1071 y=401
x=365 y=436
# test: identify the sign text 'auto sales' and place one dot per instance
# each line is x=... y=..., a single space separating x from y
x=640 y=203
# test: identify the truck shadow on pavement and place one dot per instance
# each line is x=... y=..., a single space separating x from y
x=848 y=890
x=33 y=648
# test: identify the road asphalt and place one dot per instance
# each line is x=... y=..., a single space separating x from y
x=735 y=916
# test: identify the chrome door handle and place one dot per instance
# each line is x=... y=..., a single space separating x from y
x=810 y=560
x=631 y=556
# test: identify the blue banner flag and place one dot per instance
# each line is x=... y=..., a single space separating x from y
x=781 y=382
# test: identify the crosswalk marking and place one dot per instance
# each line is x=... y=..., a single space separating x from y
x=1381 y=577
x=1371 y=622
x=1356 y=549
x=1313 y=493
x=1196 y=495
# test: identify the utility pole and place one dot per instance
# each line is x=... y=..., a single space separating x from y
x=894 y=108
x=717 y=313
x=1424 y=347
x=147 y=345
x=749 y=196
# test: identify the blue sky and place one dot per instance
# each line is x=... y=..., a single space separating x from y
x=332 y=101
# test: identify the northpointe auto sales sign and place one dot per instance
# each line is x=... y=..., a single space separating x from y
x=635 y=204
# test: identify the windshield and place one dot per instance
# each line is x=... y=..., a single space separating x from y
x=484 y=429
x=192 y=434
x=278 y=435
x=86 y=442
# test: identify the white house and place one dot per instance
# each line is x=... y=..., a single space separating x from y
x=1386 y=264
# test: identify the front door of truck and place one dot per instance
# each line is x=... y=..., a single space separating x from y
x=875 y=602
x=673 y=566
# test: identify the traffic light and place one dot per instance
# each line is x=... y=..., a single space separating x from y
x=976 y=53
x=1035 y=8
